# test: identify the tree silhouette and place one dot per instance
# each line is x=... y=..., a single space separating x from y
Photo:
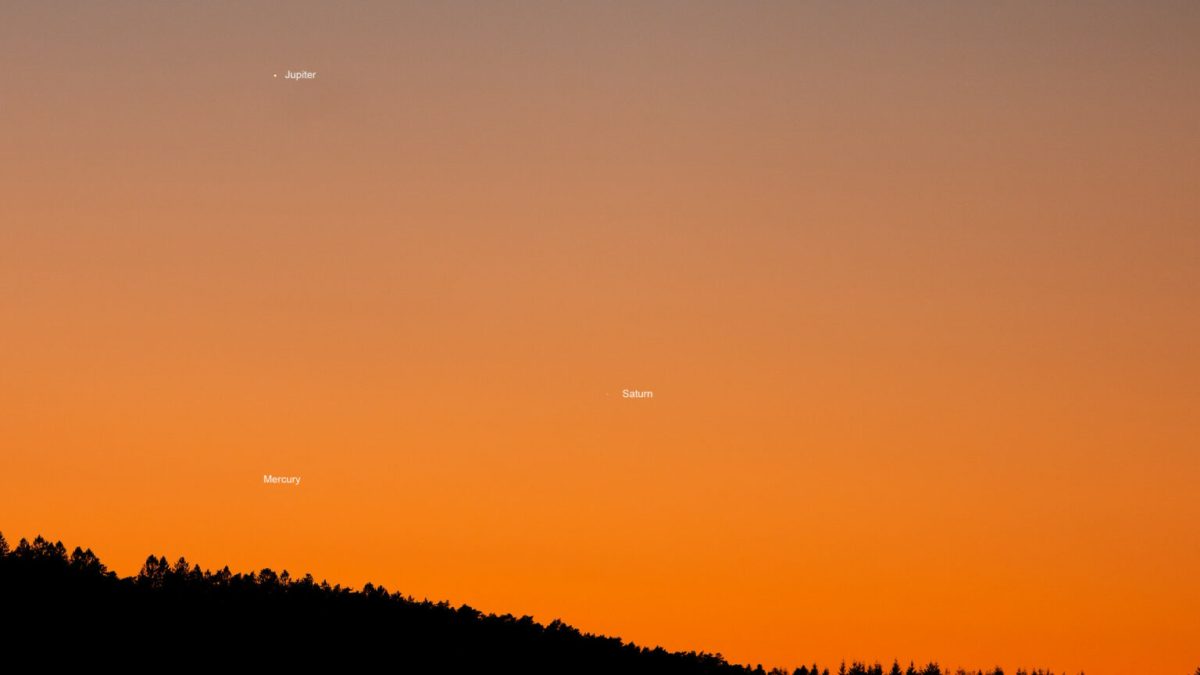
x=169 y=612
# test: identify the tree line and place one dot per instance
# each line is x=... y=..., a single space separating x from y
x=172 y=610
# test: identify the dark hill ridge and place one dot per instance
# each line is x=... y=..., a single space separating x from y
x=70 y=606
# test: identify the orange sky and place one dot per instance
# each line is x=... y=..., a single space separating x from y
x=917 y=289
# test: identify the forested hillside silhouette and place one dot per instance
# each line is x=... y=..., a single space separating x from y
x=72 y=605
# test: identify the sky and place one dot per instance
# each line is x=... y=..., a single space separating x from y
x=916 y=287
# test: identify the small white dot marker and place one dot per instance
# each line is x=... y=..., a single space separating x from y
x=275 y=75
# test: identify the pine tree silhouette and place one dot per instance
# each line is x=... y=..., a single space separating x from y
x=73 y=607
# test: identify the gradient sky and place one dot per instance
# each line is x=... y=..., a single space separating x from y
x=916 y=286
